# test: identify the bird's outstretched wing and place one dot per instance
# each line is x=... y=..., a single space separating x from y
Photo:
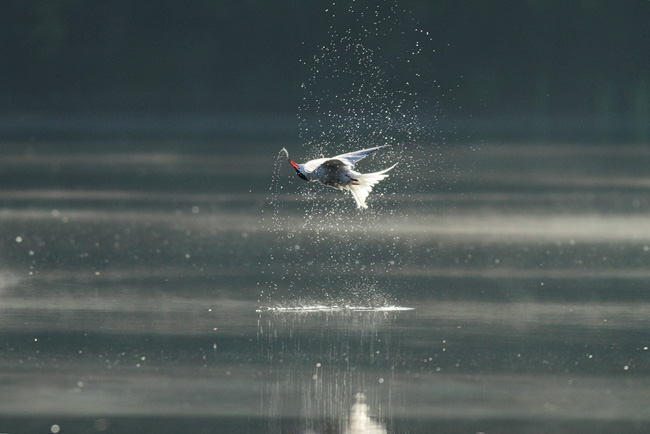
x=351 y=158
x=327 y=163
x=312 y=165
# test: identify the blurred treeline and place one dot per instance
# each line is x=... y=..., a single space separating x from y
x=539 y=57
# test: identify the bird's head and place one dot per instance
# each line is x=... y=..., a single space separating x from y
x=299 y=170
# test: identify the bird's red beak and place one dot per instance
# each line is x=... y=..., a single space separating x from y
x=293 y=163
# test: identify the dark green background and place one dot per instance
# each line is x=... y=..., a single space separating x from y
x=588 y=60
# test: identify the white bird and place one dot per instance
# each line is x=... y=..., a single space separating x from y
x=338 y=172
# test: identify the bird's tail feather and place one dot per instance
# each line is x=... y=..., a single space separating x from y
x=366 y=181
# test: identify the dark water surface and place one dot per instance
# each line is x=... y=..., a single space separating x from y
x=154 y=287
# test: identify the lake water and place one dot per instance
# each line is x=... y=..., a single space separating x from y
x=191 y=287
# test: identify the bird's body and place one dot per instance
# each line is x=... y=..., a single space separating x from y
x=338 y=172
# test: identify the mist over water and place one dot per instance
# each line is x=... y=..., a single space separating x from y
x=527 y=305
x=185 y=286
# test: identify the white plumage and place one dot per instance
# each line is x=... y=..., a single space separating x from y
x=338 y=172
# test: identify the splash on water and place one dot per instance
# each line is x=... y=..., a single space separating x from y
x=358 y=95
x=334 y=362
x=332 y=309
x=364 y=91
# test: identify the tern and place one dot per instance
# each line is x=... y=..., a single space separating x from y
x=338 y=172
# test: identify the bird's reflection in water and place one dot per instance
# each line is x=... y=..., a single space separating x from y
x=328 y=372
x=360 y=420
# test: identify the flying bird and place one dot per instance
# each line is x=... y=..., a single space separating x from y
x=338 y=172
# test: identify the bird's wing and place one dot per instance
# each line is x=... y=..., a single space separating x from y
x=312 y=165
x=352 y=157
x=334 y=163
x=328 y=163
